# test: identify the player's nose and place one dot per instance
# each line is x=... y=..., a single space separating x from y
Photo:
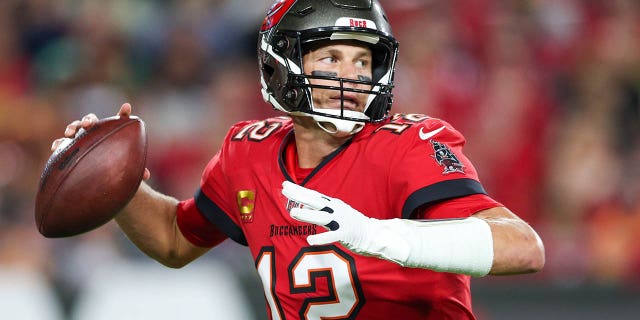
x=352 y=72
x=349 y=71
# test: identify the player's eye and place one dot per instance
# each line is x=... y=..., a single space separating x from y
x=361 y=63
x=328 y=60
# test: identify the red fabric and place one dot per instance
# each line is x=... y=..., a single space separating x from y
x=383 y=166
x=458 y=207
x=291 y=160
x=195 y=227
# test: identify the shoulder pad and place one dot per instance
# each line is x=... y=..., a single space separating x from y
x=258 y=130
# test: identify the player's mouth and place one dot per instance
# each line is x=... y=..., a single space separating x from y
x=347 y=101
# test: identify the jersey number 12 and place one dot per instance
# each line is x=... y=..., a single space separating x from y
x=345 y=295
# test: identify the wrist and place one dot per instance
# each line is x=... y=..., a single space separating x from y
x=462 y=246
x=459 y=246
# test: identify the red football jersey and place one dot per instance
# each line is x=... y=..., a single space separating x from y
x=399 y=168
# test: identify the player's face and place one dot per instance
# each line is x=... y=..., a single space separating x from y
x=344 y=59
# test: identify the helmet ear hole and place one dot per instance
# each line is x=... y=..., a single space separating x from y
x=280 y=44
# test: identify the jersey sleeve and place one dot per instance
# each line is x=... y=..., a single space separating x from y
x=195 y=227
x=430 y=167
x=213 y=196
x=462 y=207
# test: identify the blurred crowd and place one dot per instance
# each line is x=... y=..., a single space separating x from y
x=547 y=93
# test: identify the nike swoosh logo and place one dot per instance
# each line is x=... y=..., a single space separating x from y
x=427 y=135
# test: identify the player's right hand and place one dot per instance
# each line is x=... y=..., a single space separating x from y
x=87 y=122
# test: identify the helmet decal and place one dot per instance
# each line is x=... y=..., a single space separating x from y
x=355 y=22
x=275 y=13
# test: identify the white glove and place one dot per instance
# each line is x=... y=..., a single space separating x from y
x=346 y=225
x=456 y=245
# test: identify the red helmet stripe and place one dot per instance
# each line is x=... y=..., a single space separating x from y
x=275 y=13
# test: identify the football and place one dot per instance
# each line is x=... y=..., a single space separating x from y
x=90 y=178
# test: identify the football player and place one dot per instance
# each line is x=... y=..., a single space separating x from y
x=348 y=211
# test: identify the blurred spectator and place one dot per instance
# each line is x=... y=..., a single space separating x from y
x=14 y=65
x=592 y=181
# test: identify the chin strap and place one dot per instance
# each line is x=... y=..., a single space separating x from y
x=340 y=127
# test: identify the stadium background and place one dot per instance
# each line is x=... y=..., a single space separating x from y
x=546 y=92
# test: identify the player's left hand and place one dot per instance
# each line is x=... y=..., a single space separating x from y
x=357 y=232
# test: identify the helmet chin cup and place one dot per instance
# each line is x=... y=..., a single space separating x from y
x=340 y=127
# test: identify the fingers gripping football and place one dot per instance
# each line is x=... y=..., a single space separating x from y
x=77 y=127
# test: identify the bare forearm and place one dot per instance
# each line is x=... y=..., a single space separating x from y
x=149 y=221
x=517 y=247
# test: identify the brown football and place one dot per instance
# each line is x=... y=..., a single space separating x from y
x=91 y=177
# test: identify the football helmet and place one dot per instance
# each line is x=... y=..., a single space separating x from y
x=292 y=25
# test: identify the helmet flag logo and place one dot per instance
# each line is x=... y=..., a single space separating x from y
x=275 y=13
